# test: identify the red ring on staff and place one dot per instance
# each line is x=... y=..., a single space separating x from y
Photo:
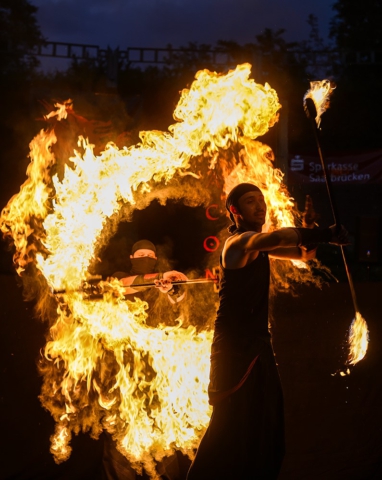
x=211 y=249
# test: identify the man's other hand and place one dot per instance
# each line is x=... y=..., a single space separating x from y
x=340 y=237
x=165 y=283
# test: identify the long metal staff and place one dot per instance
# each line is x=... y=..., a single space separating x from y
x=90 y=285
x=311 y=113
x=358 y=332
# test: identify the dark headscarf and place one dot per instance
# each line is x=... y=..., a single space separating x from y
x=143 y=244
x=233 y=199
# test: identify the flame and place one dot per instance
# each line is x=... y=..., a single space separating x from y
x=61 y=112
x=320 y=92
x=60 y=442
x=358 y=339
x=104 y=368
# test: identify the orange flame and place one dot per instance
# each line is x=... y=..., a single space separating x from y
x=320 y=92
x=60 y=448
x=358 y=339
x=105 y=368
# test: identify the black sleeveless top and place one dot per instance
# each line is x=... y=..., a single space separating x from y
x=243 y=309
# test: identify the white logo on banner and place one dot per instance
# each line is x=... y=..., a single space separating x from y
x=297 y=164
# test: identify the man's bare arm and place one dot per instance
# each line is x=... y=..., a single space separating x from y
x=294 y=253
x=140 y=279
x=300 y=253
x=253 y=241
x=161 y=281
x=238 y=249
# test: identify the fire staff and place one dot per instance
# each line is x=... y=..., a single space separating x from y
x=245 y=437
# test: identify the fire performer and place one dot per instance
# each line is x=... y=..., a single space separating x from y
x=245 y=437
x=143 y=270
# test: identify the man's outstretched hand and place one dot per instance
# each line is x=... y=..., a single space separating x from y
x=340 y=237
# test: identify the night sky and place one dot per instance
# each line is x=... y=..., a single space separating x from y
x=157 y=23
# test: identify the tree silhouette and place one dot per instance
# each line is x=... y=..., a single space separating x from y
x=19 y=35
x=357 y=24
x=353 y=122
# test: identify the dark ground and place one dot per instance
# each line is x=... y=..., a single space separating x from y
x=333 y=423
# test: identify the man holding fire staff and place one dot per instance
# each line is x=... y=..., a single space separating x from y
x=143 y=271
x=245 y=437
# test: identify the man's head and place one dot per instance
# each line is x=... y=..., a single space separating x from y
x=246 y=206
x=143 y=257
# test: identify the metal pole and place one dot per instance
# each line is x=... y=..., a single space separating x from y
x=142 y=285
x=311 y=113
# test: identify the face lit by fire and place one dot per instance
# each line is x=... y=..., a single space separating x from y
x=144 y=252
x=251 y=212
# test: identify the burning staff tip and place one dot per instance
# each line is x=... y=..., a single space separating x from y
x=310 y=108
x=358 y=339
x=317 y=98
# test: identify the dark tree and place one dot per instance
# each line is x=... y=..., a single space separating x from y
x=357 y=24
x=19 y=34
x=353 y=122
